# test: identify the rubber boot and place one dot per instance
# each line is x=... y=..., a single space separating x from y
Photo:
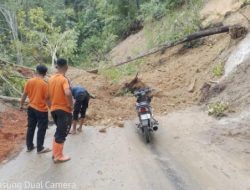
x=59 y=157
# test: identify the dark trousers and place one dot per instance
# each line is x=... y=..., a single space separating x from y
x=63 y=121
x=39 y=119
x=81 y=105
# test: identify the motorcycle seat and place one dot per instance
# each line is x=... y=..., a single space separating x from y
x=141 y=104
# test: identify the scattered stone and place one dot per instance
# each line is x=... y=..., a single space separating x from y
x=94 y=71
x=120 y=124
x=192 y=86
x=205 y=92
x=4 y=161
x=103 y=130
x=99 y=172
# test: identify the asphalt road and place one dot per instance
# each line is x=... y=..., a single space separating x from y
x=182 y=156
x=117 y=159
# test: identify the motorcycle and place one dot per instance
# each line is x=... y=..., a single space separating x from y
x=147 y=123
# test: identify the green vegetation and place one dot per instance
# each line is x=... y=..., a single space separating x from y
x=34 y=31
x=175 y=24
x=217 y=109
x=218 y=70
x=115 y=74
x=247 y=2
x=11 y=81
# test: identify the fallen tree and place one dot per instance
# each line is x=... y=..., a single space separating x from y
x=12 y=79
x=13 y=101
x=10 y=99
x=134 y=84
x=235 y=31
x=4 y=62
x=11 y=85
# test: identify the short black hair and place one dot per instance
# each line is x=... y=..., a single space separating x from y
x=41 y=69
x=61 y=62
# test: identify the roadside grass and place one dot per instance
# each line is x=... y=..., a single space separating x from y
x=218 y=109
x=218 y=70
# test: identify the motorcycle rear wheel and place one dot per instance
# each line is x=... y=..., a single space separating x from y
x=147 y=134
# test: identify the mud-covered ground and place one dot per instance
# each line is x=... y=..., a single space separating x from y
x=12 y=130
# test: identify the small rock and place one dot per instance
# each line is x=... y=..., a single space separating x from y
x=4 y=161
x=103 y=130
x=120 y=124
x=99 y=172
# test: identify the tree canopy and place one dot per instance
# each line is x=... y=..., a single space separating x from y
x=83 y=31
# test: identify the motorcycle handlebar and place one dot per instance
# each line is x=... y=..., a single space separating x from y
x=141 y=91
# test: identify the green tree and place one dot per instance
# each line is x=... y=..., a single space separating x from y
x=8 y=11
x=43 y=30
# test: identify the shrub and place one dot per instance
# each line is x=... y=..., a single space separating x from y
x=218 y=70
x=152 y=10
x=174 y=26
x=6 y=91
x=115 y=74
x=171 y=4
x=217 y=109
x=247 y=2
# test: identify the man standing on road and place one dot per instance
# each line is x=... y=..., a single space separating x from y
x=61 y=107
x=81 y=97
x=36 y=89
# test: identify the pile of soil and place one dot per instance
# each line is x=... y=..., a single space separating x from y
x=12 y=131
x=214 y=11
x=107 y=108
x=173 y=72
x=170 y=73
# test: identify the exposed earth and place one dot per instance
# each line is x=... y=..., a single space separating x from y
x=12 y=131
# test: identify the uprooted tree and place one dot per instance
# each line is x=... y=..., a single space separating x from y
x=235 y=31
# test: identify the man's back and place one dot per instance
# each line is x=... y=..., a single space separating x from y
x=37 y=91
x=57 y=84
x=77 y=90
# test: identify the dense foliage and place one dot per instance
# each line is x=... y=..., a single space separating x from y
x=38 y=31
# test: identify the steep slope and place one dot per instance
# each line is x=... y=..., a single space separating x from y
x=174 y=71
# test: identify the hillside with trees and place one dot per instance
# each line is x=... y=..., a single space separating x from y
x=34 y=31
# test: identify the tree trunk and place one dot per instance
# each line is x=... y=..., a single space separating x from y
x=10 y=18
x=10 y=99
x=194 y=36
x=54 y=58
x=138 y=4
x=7 y=82
x=19 y=55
